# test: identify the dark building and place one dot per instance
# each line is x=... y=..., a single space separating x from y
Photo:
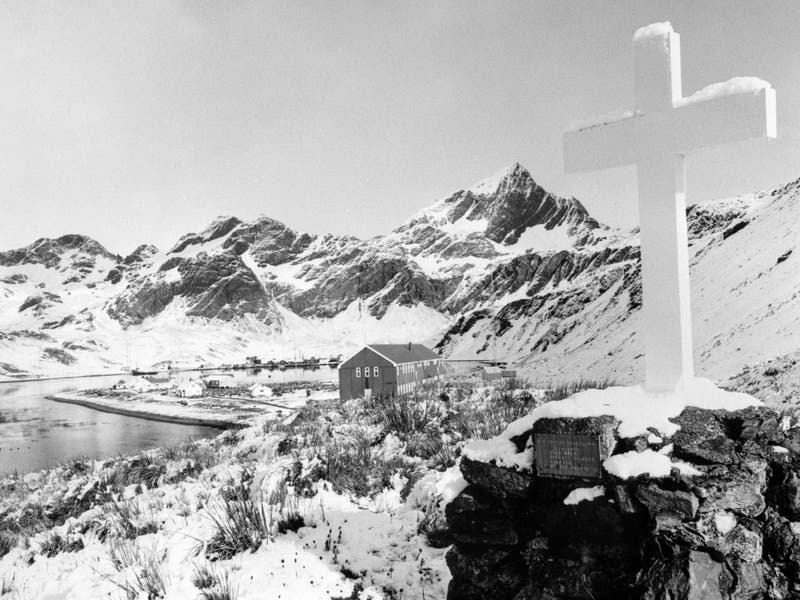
x=387 y=370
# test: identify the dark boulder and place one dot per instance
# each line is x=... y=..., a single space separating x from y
x=784 y=491
x=738 y=488
x=702 y=438
x=660 y=501
x=475 y=517
x=500 y=481
x=480 y=572
x=690 y=575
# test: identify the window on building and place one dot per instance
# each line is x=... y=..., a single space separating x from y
x=358 y=371
x=375 y=371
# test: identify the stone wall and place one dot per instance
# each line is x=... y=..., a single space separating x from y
x=727 y=531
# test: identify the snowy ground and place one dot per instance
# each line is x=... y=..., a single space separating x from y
x=360 y=482
x=384 y=545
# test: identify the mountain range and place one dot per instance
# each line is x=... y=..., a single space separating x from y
x=503 y=269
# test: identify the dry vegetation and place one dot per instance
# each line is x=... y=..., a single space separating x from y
x=358 y=448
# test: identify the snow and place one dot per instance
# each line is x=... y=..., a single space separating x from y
x=541 y=239
x=501 y=450
x=724 y=522
x=628 y=405
x=654 y=30
x=259 y=390
x=638 y=411
x=440 y=487
x=295 y=565
x=650 y=463
x=469 y=267
x=189 y=389
x=735 y=85
x=490 y=185
x=465 y=226
x=450 y=484
x=779 y=450
x=596 y=121
x=586 y=494
x=369 y=537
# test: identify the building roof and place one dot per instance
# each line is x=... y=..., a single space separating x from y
x=404 y=353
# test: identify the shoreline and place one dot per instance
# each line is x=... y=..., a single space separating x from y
x=304 y=367
x=217 y=423
x=35 y=379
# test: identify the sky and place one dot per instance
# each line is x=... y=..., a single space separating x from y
x=137 y=122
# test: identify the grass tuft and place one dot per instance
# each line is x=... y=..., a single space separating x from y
x=214 y=585
x=8 y=541
x=241 y=524
x=142 y=571
x=55 y=544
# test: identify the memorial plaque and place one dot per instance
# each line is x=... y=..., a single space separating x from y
x=567 y=455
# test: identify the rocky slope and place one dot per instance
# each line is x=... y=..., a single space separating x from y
x=503 y=268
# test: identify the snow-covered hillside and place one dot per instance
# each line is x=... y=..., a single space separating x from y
x=503 y=268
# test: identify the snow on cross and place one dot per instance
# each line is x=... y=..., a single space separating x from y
x=655 y=137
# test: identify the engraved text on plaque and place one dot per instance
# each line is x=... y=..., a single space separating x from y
x=567 y=455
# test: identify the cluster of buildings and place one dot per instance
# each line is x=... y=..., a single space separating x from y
x=375 y=370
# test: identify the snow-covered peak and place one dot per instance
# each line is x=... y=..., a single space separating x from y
x=219 y=227
x=514 y=175
x=50 y=251
x=507 y=213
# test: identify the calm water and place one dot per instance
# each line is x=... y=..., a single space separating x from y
x=38 y=433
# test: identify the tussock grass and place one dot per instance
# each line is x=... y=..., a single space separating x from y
x=286 y=514
x=141 y=570
x=203 y=577
x=408 y=414
x=144 y=469
x=7 y=586
x=241 y=524
x=54 y=543
x=214 y=585
x=355 y=466
x=564 y=389
x=203 y=455
x=128 y=520
x=8 y=541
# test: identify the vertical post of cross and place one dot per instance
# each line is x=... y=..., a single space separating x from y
x=666 y=307
x=655 y=137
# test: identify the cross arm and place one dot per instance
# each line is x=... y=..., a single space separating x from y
x=683 y=129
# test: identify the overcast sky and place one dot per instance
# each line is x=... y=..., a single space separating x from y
x=139 y=121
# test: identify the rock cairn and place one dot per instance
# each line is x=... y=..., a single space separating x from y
x=725 y=526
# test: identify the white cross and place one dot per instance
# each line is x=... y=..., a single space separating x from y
x=656 y=137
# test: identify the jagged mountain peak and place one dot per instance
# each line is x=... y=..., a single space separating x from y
x=141 y=254
x=49 y=251
x=512 y=177
x=506 y=205
x=218 y=228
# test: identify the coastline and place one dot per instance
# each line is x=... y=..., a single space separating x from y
x=113 y=406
